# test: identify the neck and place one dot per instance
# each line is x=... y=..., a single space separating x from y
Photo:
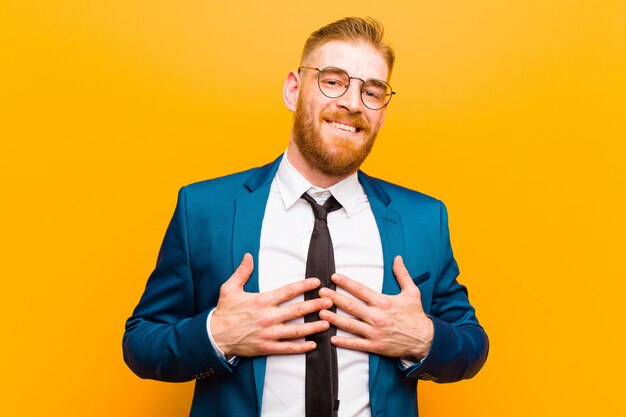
x=309 y=172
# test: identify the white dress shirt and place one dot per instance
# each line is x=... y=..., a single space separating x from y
x=286 y=232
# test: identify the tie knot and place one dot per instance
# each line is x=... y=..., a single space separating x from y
x=320 y=212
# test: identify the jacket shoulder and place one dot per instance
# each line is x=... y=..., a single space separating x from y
x=232 y=184
x=400 y=196
x=223 y=183
x=214 y=195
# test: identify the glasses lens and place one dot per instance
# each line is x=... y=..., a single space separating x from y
x=376 y=94
x=333 y=82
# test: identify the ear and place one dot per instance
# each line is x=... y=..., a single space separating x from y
x=291 y=90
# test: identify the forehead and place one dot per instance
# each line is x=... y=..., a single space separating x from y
x=358 y=59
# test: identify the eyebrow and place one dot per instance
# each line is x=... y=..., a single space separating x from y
x=377 y=82
x=380 y=81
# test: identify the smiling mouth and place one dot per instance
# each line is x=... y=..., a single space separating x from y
x=346 y=128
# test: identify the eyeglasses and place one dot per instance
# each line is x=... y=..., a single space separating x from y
x=334 y=82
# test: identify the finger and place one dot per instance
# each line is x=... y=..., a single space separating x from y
x=297 y=331
x=354 y=343
x=286 y=348
x=290 y=291
x=301 y=309
x=402 y=274
x=360 y=291
x=347 y=324
x=242 y=273
x=348 y=304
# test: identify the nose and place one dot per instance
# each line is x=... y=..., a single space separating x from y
x=351 y=99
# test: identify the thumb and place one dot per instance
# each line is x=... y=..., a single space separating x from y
x=402 y=274
x=243 y=271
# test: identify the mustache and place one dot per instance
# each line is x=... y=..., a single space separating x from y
x=356 y=119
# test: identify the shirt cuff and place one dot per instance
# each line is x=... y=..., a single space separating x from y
x=406 y=362
x=217 y=349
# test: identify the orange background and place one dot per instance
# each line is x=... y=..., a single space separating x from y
x=512 y=112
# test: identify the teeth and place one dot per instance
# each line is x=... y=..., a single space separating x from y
x=343 y=127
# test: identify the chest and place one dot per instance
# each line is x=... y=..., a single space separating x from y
x=286 y=234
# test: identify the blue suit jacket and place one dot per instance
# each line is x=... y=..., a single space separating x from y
x=217 y=221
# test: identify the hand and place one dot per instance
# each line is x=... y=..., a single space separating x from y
x=253 y=324
x=389 y=325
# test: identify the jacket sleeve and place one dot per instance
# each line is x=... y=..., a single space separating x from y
x=166 y=338
x=460 y=345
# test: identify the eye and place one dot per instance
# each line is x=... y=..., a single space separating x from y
x=375 y=94
x=334 y=83
x=334 y=78
x=331 y=81
x=375 y=90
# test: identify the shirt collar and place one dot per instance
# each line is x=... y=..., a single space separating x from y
x=291 y=185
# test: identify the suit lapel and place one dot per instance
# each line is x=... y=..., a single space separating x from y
x=390 y=228
x=392 y=241
x=249 y=212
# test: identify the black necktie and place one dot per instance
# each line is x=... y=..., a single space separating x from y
x=321 y=363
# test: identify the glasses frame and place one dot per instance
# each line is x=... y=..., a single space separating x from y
x=319 y=71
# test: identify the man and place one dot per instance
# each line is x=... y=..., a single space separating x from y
x=226 y=301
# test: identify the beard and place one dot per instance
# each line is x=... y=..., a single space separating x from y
x=334 y=155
